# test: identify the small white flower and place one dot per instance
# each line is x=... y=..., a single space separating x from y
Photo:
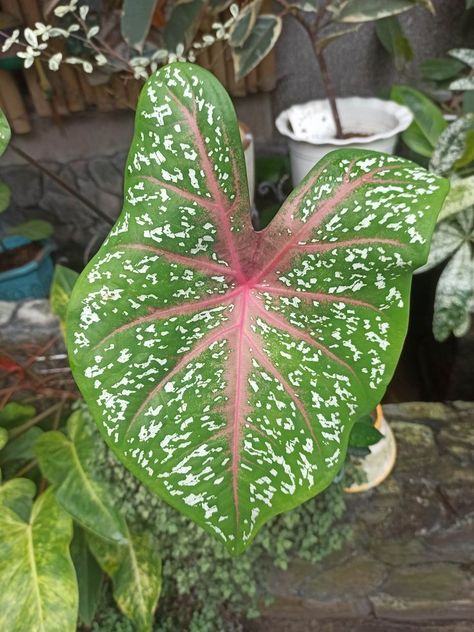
x=57 y=32
x=208 y=39
x=153 y=66
x=100 y=59
x=139 y=61
x=160 y=54
x=92 y=32
x=29 y=56
x=43 y=30
x=64 y=9
x=54 y=61
x=73 y=28
x=13 y=39
x=30 y=37
x=87 y=66
x=234 y=9
x=140 y=73
x=180 y=50
x=197 y=45
x=191 y=56
x=83 y=11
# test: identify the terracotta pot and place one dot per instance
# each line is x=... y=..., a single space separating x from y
x=380 y=462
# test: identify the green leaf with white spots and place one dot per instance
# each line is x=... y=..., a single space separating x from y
x=68 y=463
x=135 y=570
x=225 y=367
x=39 y=588
x=257 y=45
x=460 y=197
x=466 y=55
x=454 y=294
x=451 y=145
x=5 y=132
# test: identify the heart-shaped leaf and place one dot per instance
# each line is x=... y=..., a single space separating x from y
x=68 y=465
x=224 y=366
x=39 y=588
x=135 y=570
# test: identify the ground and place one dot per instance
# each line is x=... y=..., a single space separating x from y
x=410 y=566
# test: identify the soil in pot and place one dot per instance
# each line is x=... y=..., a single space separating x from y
x=17 y=257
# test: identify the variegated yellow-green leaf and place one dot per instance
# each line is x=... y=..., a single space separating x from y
x=5 y=132
x=38 y=584
x=224 y=366
x=60 y=293
x=17 y=495
x=257 y=45
x=68 y=464
x=135 y=570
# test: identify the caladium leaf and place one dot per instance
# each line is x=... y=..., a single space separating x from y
x=225 y=367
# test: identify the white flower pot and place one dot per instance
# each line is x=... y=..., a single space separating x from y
x=310 y=127
x=248 y=145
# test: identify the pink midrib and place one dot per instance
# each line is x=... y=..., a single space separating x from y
x=221 y=203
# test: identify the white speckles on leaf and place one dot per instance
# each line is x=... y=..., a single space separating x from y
x=226 y=367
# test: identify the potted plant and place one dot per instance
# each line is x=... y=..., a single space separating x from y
x=26 y=267
x=226 y=367
x=317 y=127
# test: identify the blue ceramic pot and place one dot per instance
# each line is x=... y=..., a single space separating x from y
x=31 y=280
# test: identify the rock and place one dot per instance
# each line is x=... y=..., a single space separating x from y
x=426 y=592
x=7 y=309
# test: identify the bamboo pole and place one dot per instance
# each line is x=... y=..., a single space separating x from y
x=13 y=104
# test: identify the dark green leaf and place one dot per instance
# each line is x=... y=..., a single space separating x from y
x=258 y=44
x=364 y=435
x=423 y=133
x=38 y=584
x=21 y=448
x=3 y=438
x=14 y=414
x=183 y=23
x=394 y=40
x=89 y=576
x=135 y=570
x=35 y=229
x=68 y=465
x=244 y=24
x=441 y=68
x=5 y=132
x=4 y=196
x=136 y=21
